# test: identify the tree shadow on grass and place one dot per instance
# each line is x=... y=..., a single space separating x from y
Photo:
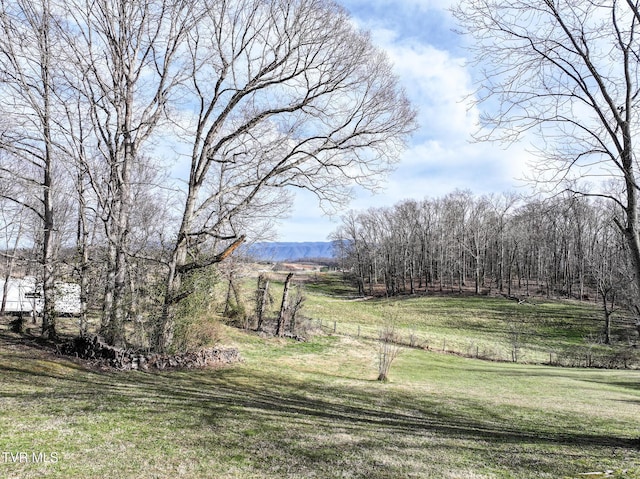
x=303 y=411
x=350 y=407
x=632 y=384
x=274 y=416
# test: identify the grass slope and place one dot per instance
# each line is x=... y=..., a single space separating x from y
x=314 y=410
x=488 y=327
x=302 y=410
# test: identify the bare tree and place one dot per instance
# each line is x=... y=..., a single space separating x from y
x=124 y=56
x=609 y=272
x=12 y=224
x=287 y=94
x=388 y=346
x=29 y=85
x=263 y=299
x=295 y=307
x=284 y=306
x=351 y=241
x=569 y=72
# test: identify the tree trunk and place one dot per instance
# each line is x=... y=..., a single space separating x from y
x=263 y=299
x=162 y=335
x=284 y=306
x=163 y=330
x=82 y=241
x=607 y=318
x=227 y=299
x=48 y=250
x=107 y=301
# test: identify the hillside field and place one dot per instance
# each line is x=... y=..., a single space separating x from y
x=314 y=409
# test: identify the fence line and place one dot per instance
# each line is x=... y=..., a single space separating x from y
x=583 y=356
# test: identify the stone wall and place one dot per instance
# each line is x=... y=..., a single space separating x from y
x=94 y=349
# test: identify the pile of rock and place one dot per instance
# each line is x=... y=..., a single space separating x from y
x=94 y=349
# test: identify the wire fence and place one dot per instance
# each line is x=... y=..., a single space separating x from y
x=515 y=348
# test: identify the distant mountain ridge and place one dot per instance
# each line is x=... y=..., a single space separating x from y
x=291 y=251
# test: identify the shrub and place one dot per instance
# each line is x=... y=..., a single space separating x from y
x=196 y=322
x=388 y=346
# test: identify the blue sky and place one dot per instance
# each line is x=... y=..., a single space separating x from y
x=429 y=59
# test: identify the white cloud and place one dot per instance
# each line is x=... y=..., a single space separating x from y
x=422 y=5
x=441 y=156
x=436 y=82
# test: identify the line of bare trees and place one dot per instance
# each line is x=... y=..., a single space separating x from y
x=142 y=142
x=566 y=246
x=565 y=75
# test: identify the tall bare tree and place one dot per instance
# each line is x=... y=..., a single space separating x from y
x=286 y=94
x=126 y=58
x=568 y=71
x=29 y=85
x=12 y=225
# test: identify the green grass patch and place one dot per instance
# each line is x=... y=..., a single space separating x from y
x=315 y=410
x=302 y=410
x=330 y=284
x=485 y=327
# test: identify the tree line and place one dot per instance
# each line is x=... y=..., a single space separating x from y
x=565 y=246
x=142 y=142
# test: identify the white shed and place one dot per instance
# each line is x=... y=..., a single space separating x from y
x=25 y=295
x=68 y=298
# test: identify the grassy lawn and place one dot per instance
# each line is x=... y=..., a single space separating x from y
x=314 y=409
x=480 y=326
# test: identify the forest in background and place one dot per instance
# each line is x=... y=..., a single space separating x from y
x=567 y=246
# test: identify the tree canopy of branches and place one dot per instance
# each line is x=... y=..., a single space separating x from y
x=242 y=101
x=568 y=71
